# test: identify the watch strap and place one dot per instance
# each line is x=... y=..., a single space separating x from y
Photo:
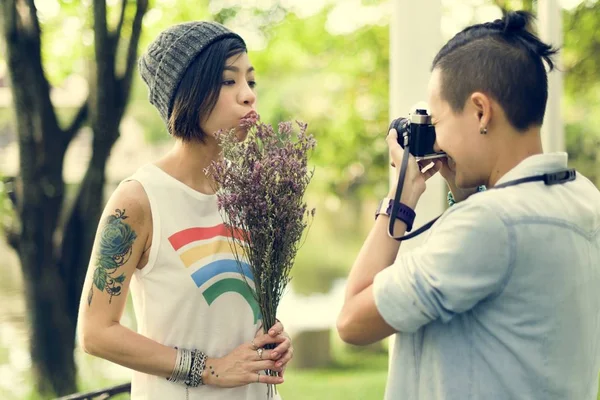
x=403 y=212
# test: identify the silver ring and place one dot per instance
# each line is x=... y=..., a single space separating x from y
x=259 y=352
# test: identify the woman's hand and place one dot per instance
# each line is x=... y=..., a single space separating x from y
x=244 y=364
x=284 y=352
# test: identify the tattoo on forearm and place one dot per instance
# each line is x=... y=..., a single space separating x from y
x=116 y=242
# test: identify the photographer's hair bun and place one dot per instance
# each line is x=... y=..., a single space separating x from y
x=515 y=21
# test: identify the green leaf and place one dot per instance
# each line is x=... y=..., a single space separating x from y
x=120 y=278
x=100 y=278
x=107 y=262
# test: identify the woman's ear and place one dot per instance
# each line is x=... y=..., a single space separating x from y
x=482 y=106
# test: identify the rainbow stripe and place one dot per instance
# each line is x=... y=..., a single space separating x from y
x=203 y=245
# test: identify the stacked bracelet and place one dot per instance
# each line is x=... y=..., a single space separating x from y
x=194 y=378
x=189 y=366
x=451 y=200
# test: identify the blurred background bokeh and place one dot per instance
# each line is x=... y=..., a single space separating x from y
x=325 y=62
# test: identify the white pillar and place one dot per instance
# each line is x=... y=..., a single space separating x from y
x=415 y=39
x=550 y=30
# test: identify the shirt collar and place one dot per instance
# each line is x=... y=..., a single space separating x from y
x=536 y=165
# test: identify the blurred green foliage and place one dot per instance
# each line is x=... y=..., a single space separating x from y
x=334 y=79
x=581 y=111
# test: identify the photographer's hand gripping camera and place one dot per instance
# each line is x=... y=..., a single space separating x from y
x=416 y=135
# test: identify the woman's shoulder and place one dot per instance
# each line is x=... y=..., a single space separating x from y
x=130 y=195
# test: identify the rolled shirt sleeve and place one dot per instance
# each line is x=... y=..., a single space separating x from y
x=466 y=259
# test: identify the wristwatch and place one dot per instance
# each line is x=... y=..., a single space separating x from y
x=405 y=213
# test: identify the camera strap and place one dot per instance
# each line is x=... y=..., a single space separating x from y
x=553 y=178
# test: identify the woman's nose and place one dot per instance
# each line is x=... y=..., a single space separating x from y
x=248 y=96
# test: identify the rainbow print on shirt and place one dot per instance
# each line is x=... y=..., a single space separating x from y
x=219 y=273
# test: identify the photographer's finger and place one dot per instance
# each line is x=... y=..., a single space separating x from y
x=423 y=164
x=396 y=152
x=392 y=137
x=433 y=170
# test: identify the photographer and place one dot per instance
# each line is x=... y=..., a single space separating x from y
x=502 y=300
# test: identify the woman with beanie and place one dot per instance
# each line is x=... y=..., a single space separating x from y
x=161 y=235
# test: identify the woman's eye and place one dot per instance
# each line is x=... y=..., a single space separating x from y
x=252 y=84
x=229 y=83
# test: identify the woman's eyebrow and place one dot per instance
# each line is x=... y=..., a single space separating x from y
x=236 y=69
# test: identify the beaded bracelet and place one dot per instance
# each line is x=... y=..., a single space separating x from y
x=451 y=200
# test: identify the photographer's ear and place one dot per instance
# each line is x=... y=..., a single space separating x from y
x=483 y=108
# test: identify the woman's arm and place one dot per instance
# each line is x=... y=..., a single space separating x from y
x=122 y=235
x=121 y=240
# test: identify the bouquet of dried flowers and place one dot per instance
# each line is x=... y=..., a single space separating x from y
x=261 y=183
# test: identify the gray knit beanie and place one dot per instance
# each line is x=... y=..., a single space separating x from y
x=165 y=61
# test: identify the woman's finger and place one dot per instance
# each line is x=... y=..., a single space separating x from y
x=257 y=366
x=261 y=378
x=272 y=380
x=282 y=347
x=272 y=354
x=263 y=339
x=276 y=329
x=287 y=357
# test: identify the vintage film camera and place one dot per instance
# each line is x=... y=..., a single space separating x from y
x=421 y=134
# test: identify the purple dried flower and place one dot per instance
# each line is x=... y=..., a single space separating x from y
x=261 y=185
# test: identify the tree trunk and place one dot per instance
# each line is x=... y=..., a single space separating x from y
x=54 y=273
x=42 y=145
x=81 y=227
x=52 y=339
x=107 y=107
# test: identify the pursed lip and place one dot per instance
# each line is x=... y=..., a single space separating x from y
x=251 y=115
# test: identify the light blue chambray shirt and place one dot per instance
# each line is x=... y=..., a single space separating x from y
x=502 y=300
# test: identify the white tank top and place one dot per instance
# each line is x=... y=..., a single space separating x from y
x=191 y=293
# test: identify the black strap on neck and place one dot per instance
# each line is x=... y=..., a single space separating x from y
x=552 y=178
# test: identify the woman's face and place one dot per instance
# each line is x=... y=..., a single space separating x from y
x=237 y=97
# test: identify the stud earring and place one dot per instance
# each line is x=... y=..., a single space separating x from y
x=483 y=131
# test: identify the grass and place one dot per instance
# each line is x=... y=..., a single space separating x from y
x=333 y=385
x=355 y=374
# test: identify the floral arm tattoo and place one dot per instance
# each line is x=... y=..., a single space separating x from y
x=116 y=242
